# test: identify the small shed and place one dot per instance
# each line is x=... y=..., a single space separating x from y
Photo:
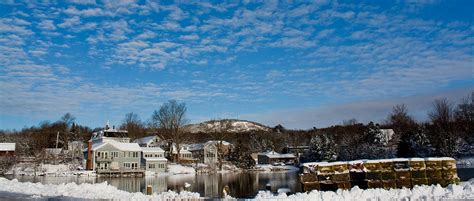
x=275 y=158
x=7 y=149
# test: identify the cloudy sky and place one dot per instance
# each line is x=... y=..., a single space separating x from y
x=301 y=64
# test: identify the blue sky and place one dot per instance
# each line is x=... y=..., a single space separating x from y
x=302 y=64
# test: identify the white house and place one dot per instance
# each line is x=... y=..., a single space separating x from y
x=153 y=159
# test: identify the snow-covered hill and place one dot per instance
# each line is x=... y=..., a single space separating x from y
x=229 y=125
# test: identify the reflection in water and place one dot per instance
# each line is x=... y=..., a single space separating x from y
x=242 y=185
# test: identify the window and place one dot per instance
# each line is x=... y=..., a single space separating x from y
x=114 y=154
x=151 y=166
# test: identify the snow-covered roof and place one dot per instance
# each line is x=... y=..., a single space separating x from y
x=152 y=149
x=273 y=154
x=200 y=146
x=156 y=159
x=119 y=145
x=7 y=146
x=145 y=140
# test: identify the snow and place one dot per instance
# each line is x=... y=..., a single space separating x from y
x=273 y=168
x=273 y=154
x=7 y=146
x=157 y=159
x=61 y=170
x=85 y=191
x=464 y=190
x=126 y=146
x=180 y=169
x=146 y=140
x=152 y=149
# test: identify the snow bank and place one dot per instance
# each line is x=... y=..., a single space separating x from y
x=60 y=170
x=179 y=169
x=85 y=191
x=465 y=190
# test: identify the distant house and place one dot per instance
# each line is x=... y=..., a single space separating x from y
x=298 y=151
x=75 y=149
x=185 y=156
x=149 y=141
x=273 y=157
x=208 y=152
x=7 y=149
x=153 y=159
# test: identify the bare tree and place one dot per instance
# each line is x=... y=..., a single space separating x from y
x=68 y=119
x=170 y=119
x=442 y=132
x=133 y=125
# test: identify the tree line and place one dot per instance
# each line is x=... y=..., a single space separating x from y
x=447 y=132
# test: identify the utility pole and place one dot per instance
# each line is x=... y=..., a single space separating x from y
x=55 y=154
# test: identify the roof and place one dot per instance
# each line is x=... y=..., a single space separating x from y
x=273 y=154
x=200 y=146
x=119 y=145
x=7 y=146
x=156 y=159
x=152 y=149
x=145 y=140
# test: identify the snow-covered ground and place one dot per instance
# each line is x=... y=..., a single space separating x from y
x=85 y=191
x=180 y=169
x=60 y=170
x=465 y=190
x=272 y=168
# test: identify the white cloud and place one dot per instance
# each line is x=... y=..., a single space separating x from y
x=47 y=25
x=70 y=22
x=83 y=2
x=190 y=37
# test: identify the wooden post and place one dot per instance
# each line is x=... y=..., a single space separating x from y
x=149 y=191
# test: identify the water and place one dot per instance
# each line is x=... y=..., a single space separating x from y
x=241 y=185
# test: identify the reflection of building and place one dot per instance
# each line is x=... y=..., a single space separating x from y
x=208 y=152
x=153 y=159
x=273 y=157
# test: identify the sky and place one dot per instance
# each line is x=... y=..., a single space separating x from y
x=302 y=64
